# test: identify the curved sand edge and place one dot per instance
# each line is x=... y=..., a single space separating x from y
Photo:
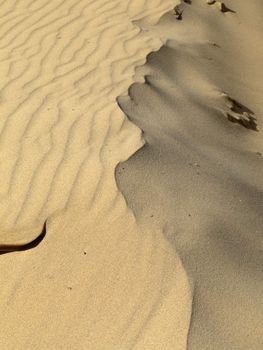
x=97 y=280
x=199 y=175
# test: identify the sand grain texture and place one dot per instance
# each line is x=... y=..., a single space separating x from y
x=96 y=280
x=199 y=176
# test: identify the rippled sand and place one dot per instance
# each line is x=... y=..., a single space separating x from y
x=77 y=272
x=131 y=214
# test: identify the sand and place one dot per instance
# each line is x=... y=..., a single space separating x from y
x=199 y=176
x=131 y=214
x=77 y=272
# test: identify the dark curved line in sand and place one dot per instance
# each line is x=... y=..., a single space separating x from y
x=4 y=249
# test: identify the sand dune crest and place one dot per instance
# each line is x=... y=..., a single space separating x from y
x=199 y=176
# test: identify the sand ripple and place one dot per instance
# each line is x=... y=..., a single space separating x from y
x=96 y=281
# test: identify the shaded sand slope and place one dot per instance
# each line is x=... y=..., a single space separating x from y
x=199 y=176
x=96 y=280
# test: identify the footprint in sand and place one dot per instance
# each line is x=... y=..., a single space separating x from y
x=238 y=113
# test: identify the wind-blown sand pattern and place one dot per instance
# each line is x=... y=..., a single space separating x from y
x=63 y=64
x=96 y=280
x=176 y=264
x=200 y=174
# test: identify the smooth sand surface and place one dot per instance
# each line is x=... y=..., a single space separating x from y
x=199 y=176
x=93 y=279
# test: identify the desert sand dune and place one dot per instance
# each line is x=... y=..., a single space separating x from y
x=97 y=280
x=177 y=262
x=199 y=176
x=62 y=68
